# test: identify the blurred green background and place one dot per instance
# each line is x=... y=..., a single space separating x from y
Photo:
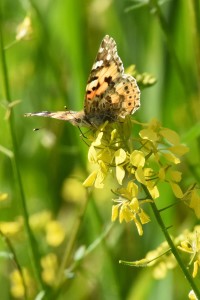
x=50 y=70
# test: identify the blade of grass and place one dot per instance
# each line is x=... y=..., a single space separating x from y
x=32 y=246
x=171 y=245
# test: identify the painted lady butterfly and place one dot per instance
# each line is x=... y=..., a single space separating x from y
x=110 y=93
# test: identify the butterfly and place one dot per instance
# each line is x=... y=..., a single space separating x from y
x=110 y=94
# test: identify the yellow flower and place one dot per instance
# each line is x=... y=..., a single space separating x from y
x=190 y=244
x=127 y=207
x=137 y=158
x=17 y=285
x=55 y=233
x=149 y=134
x=162 y=260
x=156 y=150
x=90 y=180
x=194 y=202
x=3 y=197
x=40 y=219
x=11 y=228
x=49 y=265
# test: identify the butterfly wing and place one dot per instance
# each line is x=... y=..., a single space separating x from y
x=74 y=117
x=109 y=90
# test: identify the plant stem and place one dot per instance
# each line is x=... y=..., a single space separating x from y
x=194 y=9
x=30 y=238
x=15 y=260
x=164 y=26
x=70 y=245
x=171 y=244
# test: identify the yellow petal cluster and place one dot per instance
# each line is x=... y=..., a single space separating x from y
x=17 y=284
x=49 y=265
x=189 y=243
x=147 y=159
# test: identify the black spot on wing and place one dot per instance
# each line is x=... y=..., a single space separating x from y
x=108 y=79
x=94 y=88
x=92 y=78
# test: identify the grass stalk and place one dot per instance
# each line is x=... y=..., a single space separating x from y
x=15 y=164
x=171 y=245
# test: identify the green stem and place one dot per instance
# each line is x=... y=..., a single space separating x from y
x=70 y=245
x=171 y=245
x=194 y=10
x=30 y=238
x=15 y=259
x=164 y=26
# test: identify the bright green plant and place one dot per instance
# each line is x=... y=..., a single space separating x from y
x=140 y=158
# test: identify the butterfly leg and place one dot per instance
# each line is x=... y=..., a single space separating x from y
x=82 y=134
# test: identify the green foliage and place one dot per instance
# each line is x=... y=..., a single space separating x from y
x=50 y=225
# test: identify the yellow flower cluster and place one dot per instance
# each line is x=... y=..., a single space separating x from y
x=42 y=221
x=142 y=161
x=160 y=259
x=189 y=243
x=45 y=228
x=26 y=284
x=49 y=265
x=17 y=284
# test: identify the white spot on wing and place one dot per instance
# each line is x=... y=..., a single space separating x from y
x=108 y=57
x=97 y=64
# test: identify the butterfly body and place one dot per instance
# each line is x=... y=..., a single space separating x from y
x=110 y=94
